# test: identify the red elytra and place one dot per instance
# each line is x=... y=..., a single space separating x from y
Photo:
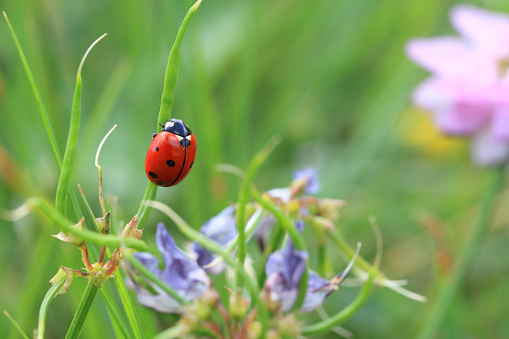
x=171 y=154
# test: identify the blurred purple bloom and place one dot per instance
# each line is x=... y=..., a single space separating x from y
x=284 y=270
x=180 y=272
x=310 y=175
x=221 y=228
x=468 y=90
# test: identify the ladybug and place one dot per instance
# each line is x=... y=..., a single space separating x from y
x=171 y=154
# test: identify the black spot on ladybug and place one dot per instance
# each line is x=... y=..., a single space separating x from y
x=157 y=149
x=185 y=143
x=162 y=183
x=153 y=175
x=154 y=135
x=170 y=163
x=191 y=166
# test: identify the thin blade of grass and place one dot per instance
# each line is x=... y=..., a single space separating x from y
x=35 y=89
x=16 y=325
x=114 y=316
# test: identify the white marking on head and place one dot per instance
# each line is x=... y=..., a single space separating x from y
x=169 y=125
x=179 y=138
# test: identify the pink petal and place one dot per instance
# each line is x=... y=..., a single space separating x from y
x=463 y=118
x=444 y=55
x=487 y=151
x=489 y=31
x=500 y=124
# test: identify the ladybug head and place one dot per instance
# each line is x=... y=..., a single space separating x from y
x=178 y=127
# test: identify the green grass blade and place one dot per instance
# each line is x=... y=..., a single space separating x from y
x=37 y=94
x=128 y=307
x=170 y=83
x=20 y=330
x=72 y=139
x=52 y=292
x=114 y=316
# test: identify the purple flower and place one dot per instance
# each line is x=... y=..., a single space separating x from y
x=180 y=272
x=284 y=269
x=310 y=176
x=468 y=89
x=221 y=228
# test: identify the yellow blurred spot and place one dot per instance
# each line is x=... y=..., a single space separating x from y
x=417 y=129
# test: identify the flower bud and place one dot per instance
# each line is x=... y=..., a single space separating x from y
x=103 y=224
x=71 y=238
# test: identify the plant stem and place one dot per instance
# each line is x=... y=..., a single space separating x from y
x=336 y=320
x=465 y=258
x=81 y=313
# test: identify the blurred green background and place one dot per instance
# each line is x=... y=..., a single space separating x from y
x=330 y=77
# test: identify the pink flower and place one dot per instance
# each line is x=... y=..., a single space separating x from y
x=468 y=91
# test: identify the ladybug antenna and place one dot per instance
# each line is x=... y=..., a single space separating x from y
x=162 y=125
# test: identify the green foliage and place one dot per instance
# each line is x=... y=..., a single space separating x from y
x=330 y=77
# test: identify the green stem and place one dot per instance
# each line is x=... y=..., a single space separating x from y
x=81 y=313
x=48 y=298
x=339 y=318
x=286 y=223
x=170 y=83
x=100 y=239
x=464 y=261
x=252 y=168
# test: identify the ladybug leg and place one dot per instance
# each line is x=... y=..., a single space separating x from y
x=154 y=135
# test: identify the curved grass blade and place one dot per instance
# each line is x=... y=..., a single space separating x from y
x=48 y=298
x=72 y=139
x=170 y=83
x=59 y=220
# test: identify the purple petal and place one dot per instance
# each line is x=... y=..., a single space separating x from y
x=181 y=273
x=222 y=228
x=311 y=176
x=284 y=269
x=148 y=260
x=488 y=30
x=318 y=290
